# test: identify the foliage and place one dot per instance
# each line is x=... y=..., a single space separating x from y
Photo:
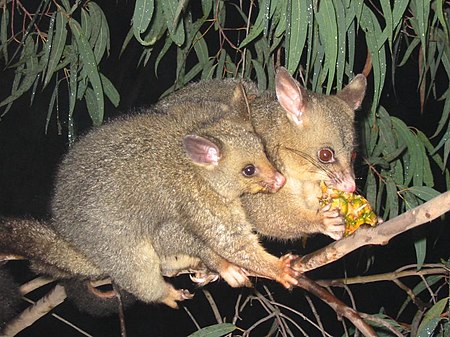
x=60 y=44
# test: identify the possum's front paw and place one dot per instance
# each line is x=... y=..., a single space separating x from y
x=333 y=222
x=288 y=277
x=235 y=276
x=175 y=295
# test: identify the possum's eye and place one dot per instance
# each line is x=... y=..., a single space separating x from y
x=326 y=155
x=249 y=170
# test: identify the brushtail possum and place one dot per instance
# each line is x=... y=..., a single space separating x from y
x=152 y=192
x=309 y=138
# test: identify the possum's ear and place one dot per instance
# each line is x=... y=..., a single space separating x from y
x=291 y=96
x=202 y=151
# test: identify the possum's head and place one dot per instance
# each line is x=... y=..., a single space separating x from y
x=234 y=162
x=318 y=144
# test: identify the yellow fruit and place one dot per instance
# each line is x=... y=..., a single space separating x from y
x=354 y=208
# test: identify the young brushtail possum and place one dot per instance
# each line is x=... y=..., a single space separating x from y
x=140 y=194
x=309 y=138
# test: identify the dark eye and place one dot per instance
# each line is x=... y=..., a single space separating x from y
x=354 y=155
x=249 y=170
x=326 y=155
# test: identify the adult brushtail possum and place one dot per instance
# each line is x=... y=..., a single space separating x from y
x=309 y=138
x=155 y=192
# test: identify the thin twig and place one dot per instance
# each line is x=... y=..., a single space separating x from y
x=213 y=305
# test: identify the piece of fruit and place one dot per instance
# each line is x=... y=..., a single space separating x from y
x=354 y=208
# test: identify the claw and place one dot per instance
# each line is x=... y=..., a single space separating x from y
x=289 y=276
x=203 y=278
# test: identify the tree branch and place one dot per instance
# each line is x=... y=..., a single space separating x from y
x=379 y=235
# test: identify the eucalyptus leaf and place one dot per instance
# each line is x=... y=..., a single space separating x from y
x=216 y=330
x=90 y=66
x=58 y=43
x=176 y=29
x=143 y=12
x=328 y=28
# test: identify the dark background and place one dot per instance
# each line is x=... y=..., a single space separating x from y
x=29 y=157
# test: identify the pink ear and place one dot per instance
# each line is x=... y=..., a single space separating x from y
x=290 y=95
x=201 y=150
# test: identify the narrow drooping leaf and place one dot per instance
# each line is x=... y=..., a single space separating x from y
x=256 y=30
x=110 y=90
x=90 y=66
x=57 y=45
x=372 y=28
x=328 y=28
x=99 y=38
x=143 y=12
x=156 y=29
x=86 y=25
x=297 y=32
x=176 y=29
x=51 y=106
x=4 y=33
x=388 y=17
x=48 y=44
x=422 y=16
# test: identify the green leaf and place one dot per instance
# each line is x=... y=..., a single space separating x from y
x=415 y=42
x=51 y=105
x=86 y=25
x=208 y=70
x=110 y=90
x=398 y=12
x=392 y=198
x=58 y=43
x=370 y=25
x=4 y=33
x=300 y=15
x=420 y=246
x=176 y=31
x=328 y=30
x=180 y=8
x=221 y=64
x=91 y=104
x=90 y=66
x=25 y=75
x=422 y=14
x=216 y=330
x=100 y=31
x=73 y=79
x=143 y=12
x=405 y=135
x=164 y=50
x=48 y=44
x=260 y=75
x=445 y=113
x=342 y=43
x=207 y=6
x=424 y=193
x=388 y=17
x=256 y=30
x=441 y=17
x=157 y=27
x=432 y=318
x=371 y=188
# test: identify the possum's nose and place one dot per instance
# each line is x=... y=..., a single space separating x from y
x=278 y=182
